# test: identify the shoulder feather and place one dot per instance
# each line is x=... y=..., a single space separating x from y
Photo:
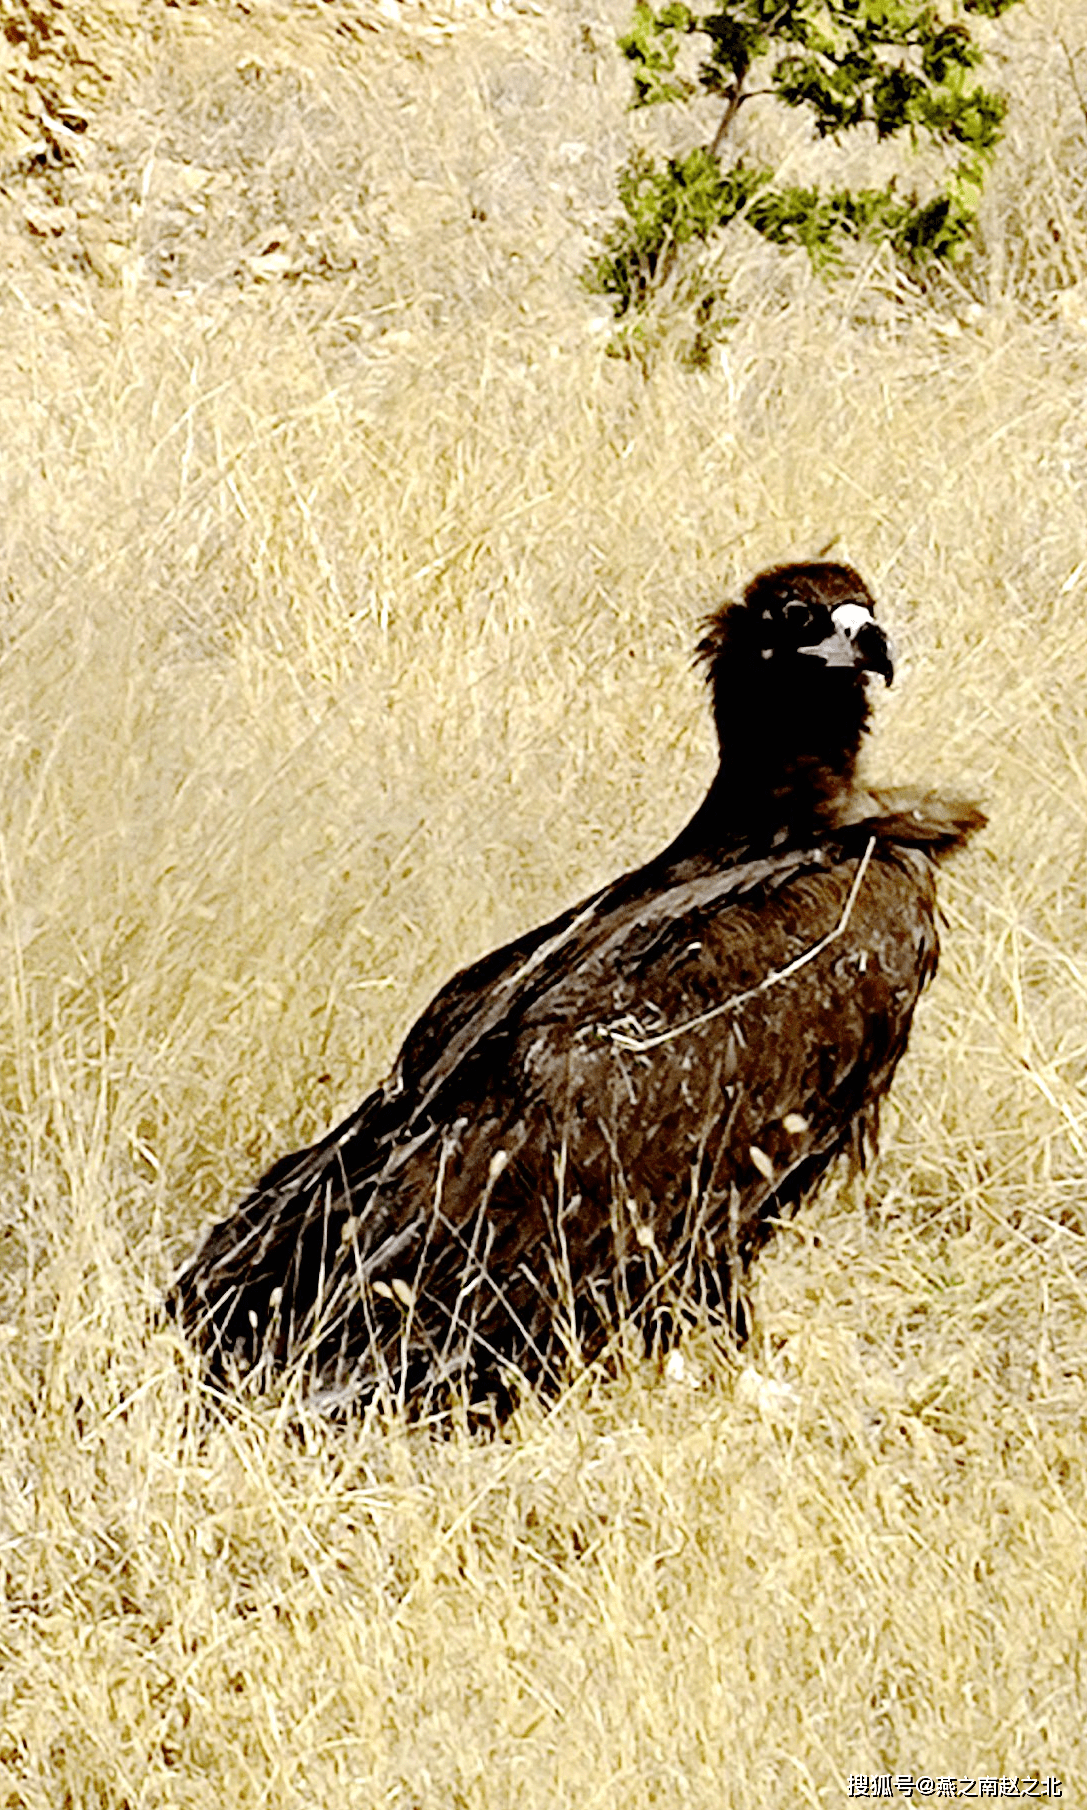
x=930 y=820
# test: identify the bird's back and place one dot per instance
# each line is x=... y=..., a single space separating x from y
x=604 y=1113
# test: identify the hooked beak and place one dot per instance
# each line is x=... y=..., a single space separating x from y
x=857 y=642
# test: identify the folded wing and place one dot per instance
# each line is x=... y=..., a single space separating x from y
x=607 y=1112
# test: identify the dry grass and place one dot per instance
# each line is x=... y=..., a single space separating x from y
x=349 y=588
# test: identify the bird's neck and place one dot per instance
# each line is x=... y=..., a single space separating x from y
x=788 y=756
x=754 y=804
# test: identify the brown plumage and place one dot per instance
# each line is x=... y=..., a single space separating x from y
x=612 y=1110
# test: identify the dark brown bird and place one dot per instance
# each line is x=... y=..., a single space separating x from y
x=611 y=1112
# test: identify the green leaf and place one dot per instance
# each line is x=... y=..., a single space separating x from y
x=887 y=67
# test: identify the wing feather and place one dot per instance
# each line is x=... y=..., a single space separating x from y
x=626 y=1098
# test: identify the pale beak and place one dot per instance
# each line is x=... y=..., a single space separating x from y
x=857 y=642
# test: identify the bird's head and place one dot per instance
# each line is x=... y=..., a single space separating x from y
x=794 y=623
x=787 y=667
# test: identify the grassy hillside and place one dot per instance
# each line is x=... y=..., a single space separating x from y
x=348 y=588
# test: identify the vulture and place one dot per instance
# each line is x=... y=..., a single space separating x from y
x=604 y=1119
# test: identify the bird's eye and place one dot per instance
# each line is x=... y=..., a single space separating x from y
x=797 y=614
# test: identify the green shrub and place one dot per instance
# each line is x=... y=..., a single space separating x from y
x=894 y=66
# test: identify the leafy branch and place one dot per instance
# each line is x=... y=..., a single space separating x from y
x=891 y=66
